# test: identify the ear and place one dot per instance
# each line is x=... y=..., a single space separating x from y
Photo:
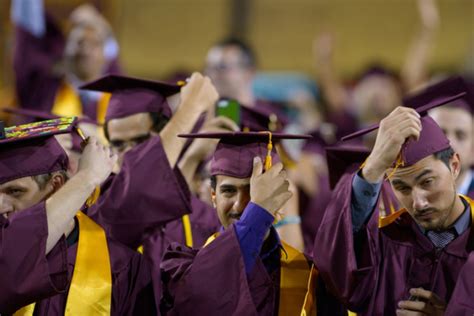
x=213 y=197
x=56 y=182
x=455 y=165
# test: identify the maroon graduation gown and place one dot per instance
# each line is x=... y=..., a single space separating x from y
x=389 y=261
x=147 y=194
x=462 y=300
x=28 y=275
x=213 y=281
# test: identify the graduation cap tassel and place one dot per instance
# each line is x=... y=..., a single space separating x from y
x=399 y=163
x=268 y=158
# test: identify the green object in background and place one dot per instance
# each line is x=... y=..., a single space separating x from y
x=229 y=108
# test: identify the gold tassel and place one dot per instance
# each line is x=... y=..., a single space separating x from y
x=399 y=163
x=268 y=158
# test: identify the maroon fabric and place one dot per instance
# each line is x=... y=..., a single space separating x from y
x=133 y=95
x=46 y=279
x=213 y=281
x=235 y=151
x=26 y=273
x=461 y=303
x=312 y=210
x=146 y=195
x=445 y=88
x=388 y=261
x=30 y=158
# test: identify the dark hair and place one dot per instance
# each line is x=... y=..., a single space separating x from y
x=158 y=123
x=43 y=179
x=445 y=156
x=213 y=182
x=249 y=57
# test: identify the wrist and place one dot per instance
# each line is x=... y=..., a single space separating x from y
x=88 y=179
x=373 y=171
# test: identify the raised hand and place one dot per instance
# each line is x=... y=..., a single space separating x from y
x=270 y=190
x=401 y=124
x=96 y=161
x=199 y=94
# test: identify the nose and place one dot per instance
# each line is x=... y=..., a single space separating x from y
x=243 y=198
x=419 y=200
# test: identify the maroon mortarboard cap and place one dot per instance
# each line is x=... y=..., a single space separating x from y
x=260 y=119
x=340 y=157
x=315 y=145
x=445 y=89
x=133 y=95
x=432 y=138
x=31 y=149
x=235 y=151
x=36 y=116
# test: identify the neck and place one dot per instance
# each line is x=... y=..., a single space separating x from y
x=462 y=176
x=246 y=97
x=456 y=211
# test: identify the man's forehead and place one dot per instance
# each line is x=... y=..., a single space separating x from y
x=425 y=166
x=130 y=126
x=228 y=180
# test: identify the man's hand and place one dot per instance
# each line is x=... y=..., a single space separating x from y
x=199 y=94
x=428 y=303
x=269 y=190
x=96 y=161
x=401 y=124
x=203 y=147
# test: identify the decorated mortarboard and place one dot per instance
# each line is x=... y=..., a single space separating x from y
x=340 y=157
x=431 y=139
x=31 y=149
x=133 y=95
x=77 y=138
x=444 y=89
x=235 y=151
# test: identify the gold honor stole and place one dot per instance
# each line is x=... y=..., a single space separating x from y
x=90 y=292
x=67 y=103
x=387 y=220
x=297 y=282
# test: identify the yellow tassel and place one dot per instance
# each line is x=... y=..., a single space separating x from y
x=399 y=163
x=268 y=158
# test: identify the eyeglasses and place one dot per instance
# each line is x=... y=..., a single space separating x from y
x=121 y=145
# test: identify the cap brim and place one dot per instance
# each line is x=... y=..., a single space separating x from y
x=113 y=83
x=422 y=110
x=246 y=136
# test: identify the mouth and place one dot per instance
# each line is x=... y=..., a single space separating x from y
x=234 y=216
x=426 y=215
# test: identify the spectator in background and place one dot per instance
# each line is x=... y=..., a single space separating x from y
x=50 y=67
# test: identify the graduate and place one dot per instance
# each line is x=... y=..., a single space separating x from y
x=54 y=259
x=245 y=269
x=50 y=66
x=146 y=204
x=456 y=120
x=410 y=261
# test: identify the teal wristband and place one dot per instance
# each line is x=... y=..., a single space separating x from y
x=290 y=219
